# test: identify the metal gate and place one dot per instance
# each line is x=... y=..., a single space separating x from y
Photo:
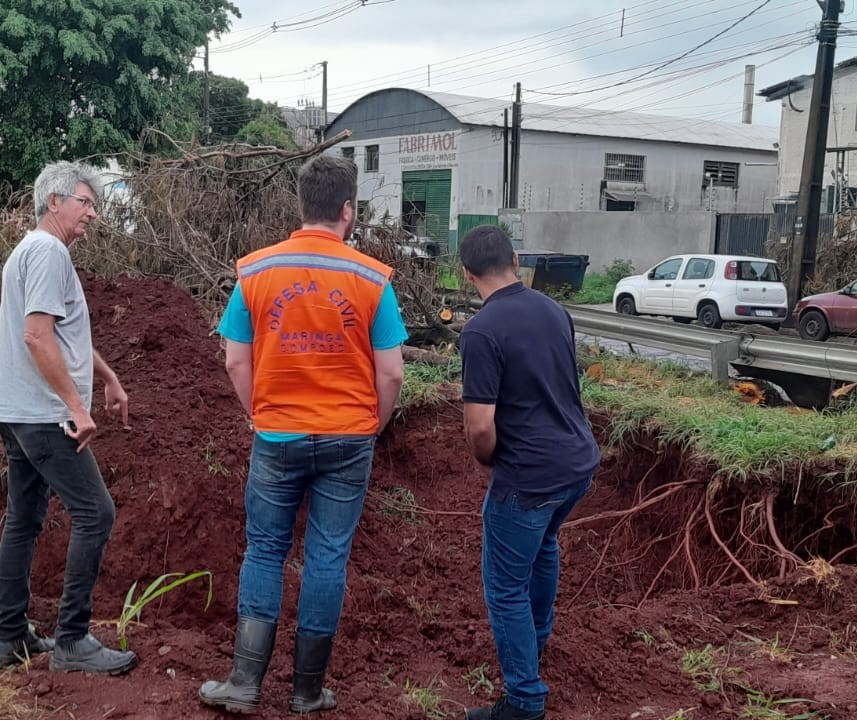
x=748 y=233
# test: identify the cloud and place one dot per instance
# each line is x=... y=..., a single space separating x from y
x=482 y=48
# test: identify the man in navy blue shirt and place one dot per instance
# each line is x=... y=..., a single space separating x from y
x=524 y=420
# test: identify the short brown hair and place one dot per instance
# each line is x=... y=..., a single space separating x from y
x=325 y=184
x=487 y=250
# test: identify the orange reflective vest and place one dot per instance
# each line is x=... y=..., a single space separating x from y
x=312 y=300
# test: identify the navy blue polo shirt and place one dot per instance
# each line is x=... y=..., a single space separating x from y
x=518 y=354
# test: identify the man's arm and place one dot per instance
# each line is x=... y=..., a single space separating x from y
x=41 y=341
x=480 y=431
x=115 y=397
x=239 y=366
x=389 y=376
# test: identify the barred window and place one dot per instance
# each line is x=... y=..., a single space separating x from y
x=719 y=174
x=619 y=167
x=371 y=160
x=348 y=153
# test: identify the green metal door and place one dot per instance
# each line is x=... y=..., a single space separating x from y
x=467 y=222
x=433 y=189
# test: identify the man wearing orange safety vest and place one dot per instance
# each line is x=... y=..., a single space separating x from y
x=313 y=348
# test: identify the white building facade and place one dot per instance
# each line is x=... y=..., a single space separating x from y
x=436 y=161
x=840 y=168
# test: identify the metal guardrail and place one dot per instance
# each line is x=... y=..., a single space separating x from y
x=785 y=355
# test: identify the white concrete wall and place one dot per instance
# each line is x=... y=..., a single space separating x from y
x=561 y=172
x=642 y=237
x=842 y=131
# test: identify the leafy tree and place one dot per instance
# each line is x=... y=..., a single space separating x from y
x=80 y=77
x=268 y=131
x=230 y=108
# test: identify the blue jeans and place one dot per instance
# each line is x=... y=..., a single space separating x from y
x=43 y=458
x=334 y=471
x=520 y=573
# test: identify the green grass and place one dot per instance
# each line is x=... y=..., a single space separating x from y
x=597 y=288
x=690 y=409
x=422 y=381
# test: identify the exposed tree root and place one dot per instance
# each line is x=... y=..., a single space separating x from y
x=692 y=533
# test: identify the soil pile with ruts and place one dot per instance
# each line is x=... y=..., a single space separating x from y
x=414 y=640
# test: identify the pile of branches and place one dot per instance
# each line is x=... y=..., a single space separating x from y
x=836 y=263
x=16 y=218
x=190 y=217
x=836 y=258
x=416 y=280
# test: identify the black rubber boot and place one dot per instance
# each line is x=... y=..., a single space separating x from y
x=312 y=653
x=502 y=710
x=254 y=644
x=23 y=648
x=89 y=656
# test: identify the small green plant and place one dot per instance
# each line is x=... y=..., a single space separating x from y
x=702 y=666
x=647 y=638
x=215 y=467
x=618 y=270
x=400 y=503
x=477 y=679
x=132 y=609
x=428 y=699
x=678 y=716
x=424 y=610
x=762 y=707
x=775 y=651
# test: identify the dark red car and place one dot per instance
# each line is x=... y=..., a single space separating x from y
x=833 y=313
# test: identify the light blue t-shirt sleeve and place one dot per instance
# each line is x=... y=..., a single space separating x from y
x=236 y=323
x=388 y=330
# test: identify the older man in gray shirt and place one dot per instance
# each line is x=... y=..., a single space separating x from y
x=46 y=375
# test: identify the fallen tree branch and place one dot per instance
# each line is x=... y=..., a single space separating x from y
x=259 y=152
x=416 y=354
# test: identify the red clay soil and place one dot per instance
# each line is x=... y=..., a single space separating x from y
x=414 y=618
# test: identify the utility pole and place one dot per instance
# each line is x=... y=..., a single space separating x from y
x=323 y=98
x=506 y=157
x=206 y=125
x=804 y=248
x=514 y=174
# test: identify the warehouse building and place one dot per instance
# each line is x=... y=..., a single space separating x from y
x=435 y=161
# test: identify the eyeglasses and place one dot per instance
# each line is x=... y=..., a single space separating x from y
x=85 y=201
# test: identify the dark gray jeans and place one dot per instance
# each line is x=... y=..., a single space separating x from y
x=43 y=459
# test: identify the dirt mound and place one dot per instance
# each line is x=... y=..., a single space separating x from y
x=414 y=640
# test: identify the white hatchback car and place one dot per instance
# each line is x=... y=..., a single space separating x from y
x=709 y=288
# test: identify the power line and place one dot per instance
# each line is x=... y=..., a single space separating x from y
x=276 y=27
x=673 y=60
x=518 y=65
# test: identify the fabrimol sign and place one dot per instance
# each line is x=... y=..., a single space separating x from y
x=429 y=151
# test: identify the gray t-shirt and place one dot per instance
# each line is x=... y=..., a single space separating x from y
x=39 y=277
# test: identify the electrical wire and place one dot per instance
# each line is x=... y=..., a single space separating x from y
x=673 y=60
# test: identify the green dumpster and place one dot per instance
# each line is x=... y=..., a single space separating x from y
x=540 y=270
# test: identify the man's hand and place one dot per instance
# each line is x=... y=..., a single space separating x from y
x=116 y=400
x=84 y=428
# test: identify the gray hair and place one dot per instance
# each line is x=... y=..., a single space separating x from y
x=62 y=178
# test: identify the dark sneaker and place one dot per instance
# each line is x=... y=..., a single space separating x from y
x=17 y=651
x=90 y=656
x=502 y=710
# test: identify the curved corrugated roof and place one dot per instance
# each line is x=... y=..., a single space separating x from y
x=606 y=123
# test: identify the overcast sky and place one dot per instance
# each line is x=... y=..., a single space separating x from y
x=561 y=54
